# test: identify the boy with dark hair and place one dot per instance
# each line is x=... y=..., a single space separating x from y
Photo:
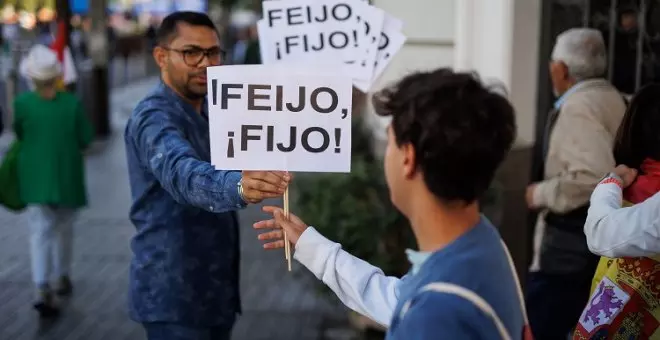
x=447 y=137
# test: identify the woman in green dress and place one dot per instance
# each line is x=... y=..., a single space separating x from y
x=53 y=132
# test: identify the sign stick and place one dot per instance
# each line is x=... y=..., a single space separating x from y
x=287 y=245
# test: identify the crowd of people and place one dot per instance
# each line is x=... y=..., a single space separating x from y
x=596 y=244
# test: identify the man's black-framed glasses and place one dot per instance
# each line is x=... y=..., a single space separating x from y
x=193 y=56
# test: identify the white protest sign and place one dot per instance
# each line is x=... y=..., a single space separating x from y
x=320 y=29
x=289 y=26
x=390 y=42
x=372 y=19
x=316 y=65
x=267 y=55
x=267 y=117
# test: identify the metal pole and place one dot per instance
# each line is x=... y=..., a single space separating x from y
x=98 y=50
x=641 y=37
x=18 y=45
x=614 y=18
x=12 y=84
x=586 y=14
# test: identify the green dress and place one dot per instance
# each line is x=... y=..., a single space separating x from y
x=53 y=134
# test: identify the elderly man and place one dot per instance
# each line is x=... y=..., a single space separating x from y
x=578 y=152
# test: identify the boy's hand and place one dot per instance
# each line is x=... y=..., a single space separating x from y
x=293 y=226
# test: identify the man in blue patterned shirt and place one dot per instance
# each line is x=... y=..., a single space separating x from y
x=184 y=273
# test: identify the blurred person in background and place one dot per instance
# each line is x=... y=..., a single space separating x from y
x=239 y=50
x=577 y=148
x=78 y=42
x=59 y=45
x=150 y=34
x=10 y=25
x=252 y=53
x=44 y=34
x=625 y=51
x=129 y=40
x=53 y=132
x=244 y=49
x=44 y=26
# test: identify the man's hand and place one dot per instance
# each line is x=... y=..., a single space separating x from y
x=260 y=185
x=627 y=174
x=293 y=226
x=529 y=196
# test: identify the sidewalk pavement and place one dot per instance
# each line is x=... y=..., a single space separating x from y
x=277 y=305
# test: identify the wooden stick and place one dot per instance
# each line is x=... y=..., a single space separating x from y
x=287 y=245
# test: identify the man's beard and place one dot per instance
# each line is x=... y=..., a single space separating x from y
x=187 y=91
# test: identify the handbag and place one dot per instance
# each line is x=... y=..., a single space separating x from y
x=10 y=196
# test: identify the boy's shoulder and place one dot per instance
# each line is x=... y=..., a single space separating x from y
x=480 y=264
x=477 y=263
x=435 y=312
x=480 y=247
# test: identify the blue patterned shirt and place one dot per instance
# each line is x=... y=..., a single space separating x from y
x=186 y=250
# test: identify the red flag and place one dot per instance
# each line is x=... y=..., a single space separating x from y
x=59 y=45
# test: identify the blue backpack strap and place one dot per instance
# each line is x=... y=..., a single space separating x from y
x=478 y=301
x=472 y=297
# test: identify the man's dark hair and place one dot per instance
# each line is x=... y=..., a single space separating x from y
x=460 y=130
x=638 y=137
x=168 y=27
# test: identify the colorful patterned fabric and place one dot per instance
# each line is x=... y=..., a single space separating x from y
x=625 y=298
x=624 y=303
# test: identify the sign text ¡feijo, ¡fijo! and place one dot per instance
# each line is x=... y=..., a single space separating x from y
x=264 y=97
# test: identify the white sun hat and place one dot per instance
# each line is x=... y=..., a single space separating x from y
x=41 y=64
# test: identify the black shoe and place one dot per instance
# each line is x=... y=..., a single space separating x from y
x=64 y=287
x=46 y=311
x=45 y=305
